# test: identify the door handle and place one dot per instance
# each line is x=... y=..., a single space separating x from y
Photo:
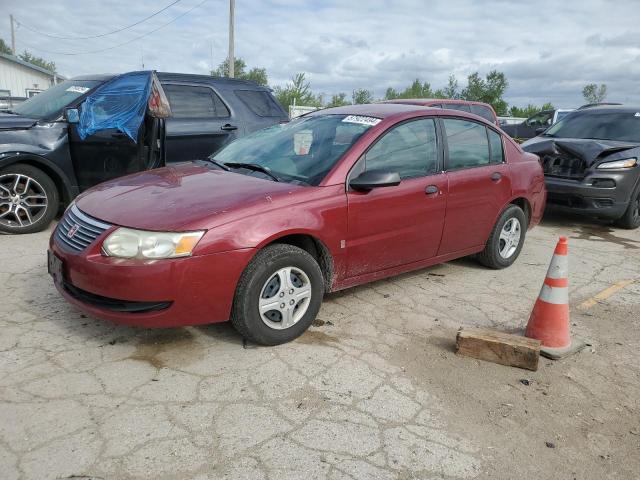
x=431 y=189
x=228 y=127
x=496 y=176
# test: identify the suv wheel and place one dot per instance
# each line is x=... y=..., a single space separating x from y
x=29 y=199
x=278 y=295
x=506 y=239
x=631 y=217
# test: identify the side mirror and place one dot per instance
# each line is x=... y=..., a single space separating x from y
x=375 y=179
x=540 y=130
x=72 y=115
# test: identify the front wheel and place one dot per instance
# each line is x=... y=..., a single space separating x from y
x=278 y=295
x=631 y=218
x=506 y=239
x=29 y=199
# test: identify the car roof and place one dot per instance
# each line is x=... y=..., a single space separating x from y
x=192 y=77
x=188 y=77
x=608 y=109
x=100 y=77
x=429 y=101
x=377 y=110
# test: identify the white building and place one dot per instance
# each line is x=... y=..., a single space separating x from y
x=20 y=80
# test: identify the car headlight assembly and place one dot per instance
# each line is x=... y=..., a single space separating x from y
x=130 y=243
x=626 y=163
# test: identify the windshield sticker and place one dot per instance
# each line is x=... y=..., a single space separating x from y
x=77 y=89
x=302 y=141
x=362 y=120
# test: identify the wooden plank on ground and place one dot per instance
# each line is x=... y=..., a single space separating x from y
x=498 y=347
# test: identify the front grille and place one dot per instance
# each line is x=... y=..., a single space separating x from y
x=77 y=230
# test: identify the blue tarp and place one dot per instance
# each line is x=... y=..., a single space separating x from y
x=120 y=103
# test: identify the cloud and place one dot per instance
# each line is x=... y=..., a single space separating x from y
x=548 y=51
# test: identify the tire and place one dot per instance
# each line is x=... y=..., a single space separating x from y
x=631 y=218
x=497 y=254
x=261 y=285
x=31 y=206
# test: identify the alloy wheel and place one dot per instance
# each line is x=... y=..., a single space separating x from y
x=509 y=238
x=23 y=201
x=284 y=298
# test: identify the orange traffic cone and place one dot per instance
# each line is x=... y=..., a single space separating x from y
x=549 y=320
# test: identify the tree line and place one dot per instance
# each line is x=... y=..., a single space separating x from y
x=488 y=89
x=28 y=57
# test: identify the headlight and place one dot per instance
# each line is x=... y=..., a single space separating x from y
x=626 y=163
x=129 y=243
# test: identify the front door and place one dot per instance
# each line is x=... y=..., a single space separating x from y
x=479 y=184
x=393 y=226
x=105 y=155
x=200 y=122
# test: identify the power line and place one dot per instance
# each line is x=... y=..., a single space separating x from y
x=21 y=24
x=120 y=44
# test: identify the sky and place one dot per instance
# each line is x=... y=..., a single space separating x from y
x=548 y=49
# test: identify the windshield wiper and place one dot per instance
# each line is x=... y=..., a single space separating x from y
x=253 y=166
x=217 y=164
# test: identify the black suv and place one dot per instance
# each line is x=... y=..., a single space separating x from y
x=44 y=163
x=590 y=162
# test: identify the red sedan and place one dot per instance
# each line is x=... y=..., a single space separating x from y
x=258 y=233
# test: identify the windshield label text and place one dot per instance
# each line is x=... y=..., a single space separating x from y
x=361 y=119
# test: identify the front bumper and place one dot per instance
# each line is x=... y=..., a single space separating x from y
x=602 y=194
x=162 y=293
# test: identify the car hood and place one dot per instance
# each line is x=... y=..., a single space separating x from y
x=586 y=149
x=181 y=197
x=9 y=121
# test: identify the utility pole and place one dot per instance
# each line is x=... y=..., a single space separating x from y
x=13 y=34
x=232 y=59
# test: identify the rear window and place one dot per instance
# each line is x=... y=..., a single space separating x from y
x=194 y=102
x=483 y=112
x=457 y=106
x=260 y=103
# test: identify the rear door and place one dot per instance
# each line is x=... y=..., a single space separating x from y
x=392 y=226
x=479 y=183
x=200 y=124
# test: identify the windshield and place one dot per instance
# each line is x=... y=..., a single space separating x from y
x=51 y=102
x=302 y=151
x=620 y=126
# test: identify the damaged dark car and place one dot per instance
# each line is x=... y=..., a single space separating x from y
x=590 y=162
x=95 y=128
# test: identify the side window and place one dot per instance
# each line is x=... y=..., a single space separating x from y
x=194 y=102
x=260 y=103
x=457 y=106
x=495 y=143
x=409 y=149
x=467 y=142
x=483 y=112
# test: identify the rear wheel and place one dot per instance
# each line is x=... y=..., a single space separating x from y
x=506 y=239
x=631 y=218
x=29 y=199
x=278 y=295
